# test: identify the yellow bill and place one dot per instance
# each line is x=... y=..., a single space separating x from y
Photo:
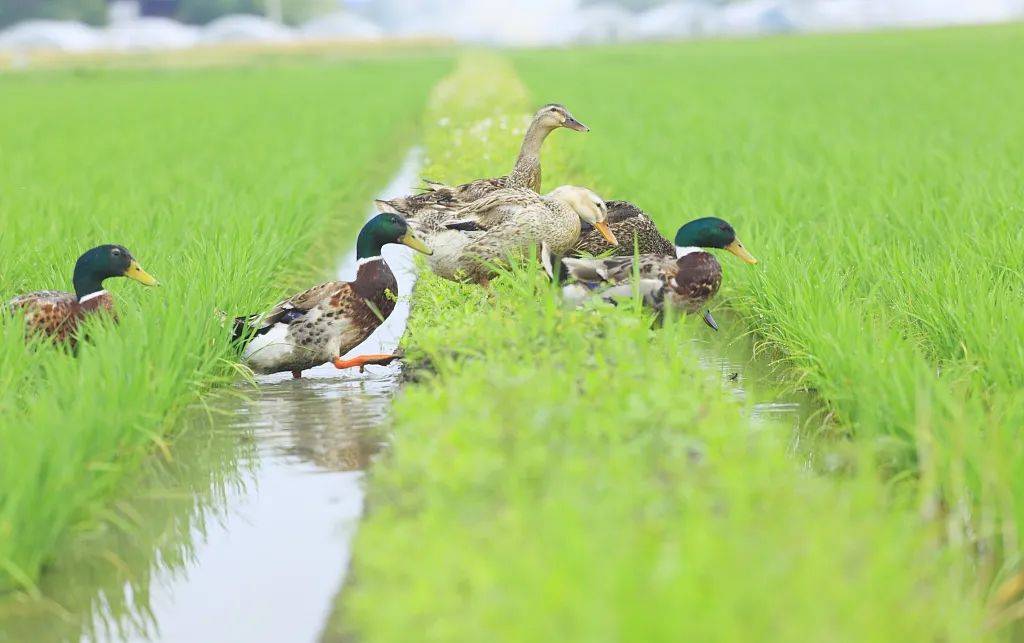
x=737 y=249
x=136 y=272
x=606 y=232
x=414 y=242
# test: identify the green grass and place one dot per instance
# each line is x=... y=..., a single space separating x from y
x=878 y=178
x=228 y=185
x=574 y=475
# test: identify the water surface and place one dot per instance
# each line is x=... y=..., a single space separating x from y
x=244 y=534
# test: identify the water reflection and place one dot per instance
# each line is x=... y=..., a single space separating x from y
x=244 y=535
x=99 y=586
x=767 y=392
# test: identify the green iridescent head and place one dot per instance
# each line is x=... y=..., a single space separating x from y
x=103 y=262
x=712 y=232
x=384 y=229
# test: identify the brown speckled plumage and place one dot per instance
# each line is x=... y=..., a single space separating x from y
x=321 y=323
x=627 y=222
x=57 y=314
x=505 y=223
x=687 y=283
x=438 y=199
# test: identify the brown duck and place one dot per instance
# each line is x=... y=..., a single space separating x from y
x=632 y=227
x=323 y=323
x=684 y=280
x=57 y=314
x=525 y=174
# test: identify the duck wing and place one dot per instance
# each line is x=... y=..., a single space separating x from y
x=51 y=312
x=614 y=270
x=289 y=310
x=498 y=207
x=627 y=222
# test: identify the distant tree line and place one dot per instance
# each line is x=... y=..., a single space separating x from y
x=94 y=12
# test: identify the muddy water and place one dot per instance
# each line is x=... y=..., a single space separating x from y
x=768 y=393
x=244 y=535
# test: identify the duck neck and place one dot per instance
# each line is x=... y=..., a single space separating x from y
x=368 y=246
x=527 y=168
x=86 y=284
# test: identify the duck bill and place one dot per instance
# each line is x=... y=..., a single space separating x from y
x=710 y=321
x=737 y=249
x=575 y=125
x=136 y=272
x=414 y=242
x=606 y=232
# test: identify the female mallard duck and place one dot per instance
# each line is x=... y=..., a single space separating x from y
x=57 y=314
x=508 y=222
x=525 y=174
x=323 y=323
x=686 y=279
x=630 y=225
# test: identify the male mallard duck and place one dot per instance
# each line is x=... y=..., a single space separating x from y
x=628 y=223
x=686 y=279
x=509 y=221
x=321 y=324
x=56 y=313
x=525 y=174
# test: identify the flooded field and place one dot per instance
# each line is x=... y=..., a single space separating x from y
x=243 y=534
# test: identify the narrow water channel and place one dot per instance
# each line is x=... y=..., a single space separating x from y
x=244 y=535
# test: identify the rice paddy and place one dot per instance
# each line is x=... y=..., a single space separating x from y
x=228 y=185
x=577 y=474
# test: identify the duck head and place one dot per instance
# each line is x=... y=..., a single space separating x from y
x=552 y=116
x=588 y=206
x=103 y=262
x=711 y=232
x=383 y=229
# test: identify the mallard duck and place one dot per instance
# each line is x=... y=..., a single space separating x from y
x=321 y=324
x=686 y=279
x=57 y=314
x=525 y=174
x=628 y=223
x=509 y=221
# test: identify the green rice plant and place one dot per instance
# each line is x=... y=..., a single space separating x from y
x=574 y=475
x=229 y=185
x=877 y=177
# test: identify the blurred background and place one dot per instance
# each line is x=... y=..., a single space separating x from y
x=146 y=25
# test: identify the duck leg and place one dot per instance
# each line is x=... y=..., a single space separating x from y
x=380 y=359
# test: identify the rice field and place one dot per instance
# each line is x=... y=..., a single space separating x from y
x=559 y=474
x=228 y=185
x=588 y=483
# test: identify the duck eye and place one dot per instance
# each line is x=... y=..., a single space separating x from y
x=116 y=252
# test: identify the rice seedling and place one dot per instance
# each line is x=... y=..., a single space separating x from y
x=574 y=475
x=879 y=175
x=229 y=185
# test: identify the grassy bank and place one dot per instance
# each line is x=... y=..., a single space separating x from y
x=574 y=475
x=878 y=179
x=227 y=185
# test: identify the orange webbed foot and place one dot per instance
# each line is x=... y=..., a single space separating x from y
x=380 y=359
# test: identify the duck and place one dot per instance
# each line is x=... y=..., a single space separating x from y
x=526 y=173
x=634 y=229
x=57 y=314
x=685 y=280
x=476 y=238
x=322 y=323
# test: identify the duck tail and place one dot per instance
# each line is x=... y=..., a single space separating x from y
x=387 y=207
x=584 y=270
